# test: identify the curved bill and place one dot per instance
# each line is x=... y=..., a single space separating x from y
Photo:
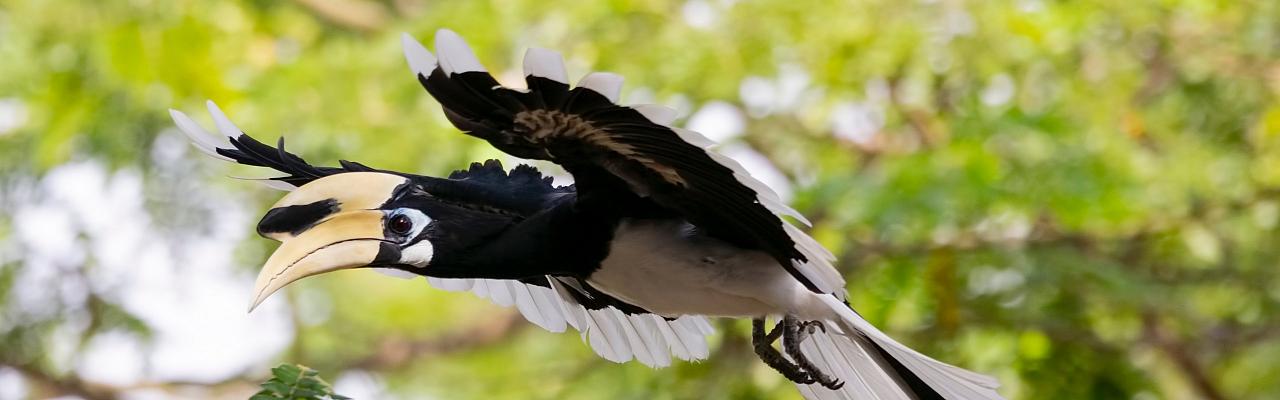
x=346 y=240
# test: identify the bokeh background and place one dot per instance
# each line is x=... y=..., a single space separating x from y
x=1080 y=198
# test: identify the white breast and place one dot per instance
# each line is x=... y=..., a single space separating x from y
x=662 y=267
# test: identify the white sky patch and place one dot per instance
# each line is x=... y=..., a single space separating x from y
x=789 y=90
x=700 y=14
x=358 y=384
x=184 y=285
x=12 y=385
x=757 y=92
x=13 y=114
x=858 y=122
x=999 y=91
x=114 y=358
x=718 y=121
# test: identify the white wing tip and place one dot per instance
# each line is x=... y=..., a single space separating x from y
x=545 y=63
x=455 y=55
x=606 y=83
x=658 y=114
x=421 y=61
x=694 y=138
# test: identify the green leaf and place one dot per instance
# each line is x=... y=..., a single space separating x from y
x=295 y=382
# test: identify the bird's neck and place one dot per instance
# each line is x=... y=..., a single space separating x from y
x=559 y=241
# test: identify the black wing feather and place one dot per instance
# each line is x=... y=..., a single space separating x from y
x=620 y=154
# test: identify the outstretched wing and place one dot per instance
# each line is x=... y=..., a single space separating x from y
x=617 y=152
x=615 y=330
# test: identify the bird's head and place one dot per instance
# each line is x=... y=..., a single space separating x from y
x=363 y=219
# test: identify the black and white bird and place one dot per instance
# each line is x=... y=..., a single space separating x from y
x=657 y=233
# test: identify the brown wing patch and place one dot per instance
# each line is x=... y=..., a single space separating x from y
x=539 y=126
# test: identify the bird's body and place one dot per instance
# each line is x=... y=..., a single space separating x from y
x=657 y=233
x=672 y=269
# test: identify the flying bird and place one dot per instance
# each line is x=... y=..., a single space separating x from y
x=657 y=233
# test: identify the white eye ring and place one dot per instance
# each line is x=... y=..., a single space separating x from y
x=418 y=220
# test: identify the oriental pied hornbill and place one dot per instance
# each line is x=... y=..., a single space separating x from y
x=656 y=233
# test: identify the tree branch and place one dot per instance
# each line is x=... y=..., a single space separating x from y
x=1177 y=352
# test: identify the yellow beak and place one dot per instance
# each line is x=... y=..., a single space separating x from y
x=346 y=240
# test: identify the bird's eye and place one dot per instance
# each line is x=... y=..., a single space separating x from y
x=400 y=224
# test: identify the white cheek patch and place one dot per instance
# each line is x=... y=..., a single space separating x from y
x=418 y=255
x=420 y=220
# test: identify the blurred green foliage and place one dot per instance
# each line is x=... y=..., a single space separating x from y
x=296 y=382
x=1080 y=198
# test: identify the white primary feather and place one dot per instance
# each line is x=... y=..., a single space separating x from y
x=654 y=339
x=396 y=273
x=605 y=83
x=420 y=60
x=691 y=336
x=703 y=325
x=480 y=288
x=694 y=138
x=526 y=305
x=455 y=55
x=452 y=285
x=674 y=341
x=818 y=269
x=500 y=293
x=612 y=334
x=605 y=338
x=639 y=347
x=544 y=305
x=764 y=194
x=545 y=63
x=574 y=313
x=657 y=113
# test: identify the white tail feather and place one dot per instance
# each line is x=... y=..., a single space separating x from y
x=845 y=353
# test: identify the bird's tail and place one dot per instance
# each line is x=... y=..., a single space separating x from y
x=874 y=366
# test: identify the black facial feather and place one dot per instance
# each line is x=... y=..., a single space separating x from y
x=523 y=176
x=296 y=218
x=488 y=186
x=454 y=228
x=250 y=151
x=482 y=187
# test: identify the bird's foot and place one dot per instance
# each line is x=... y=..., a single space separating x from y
x=763 y=344
x=813 y=327
x=794 y=333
